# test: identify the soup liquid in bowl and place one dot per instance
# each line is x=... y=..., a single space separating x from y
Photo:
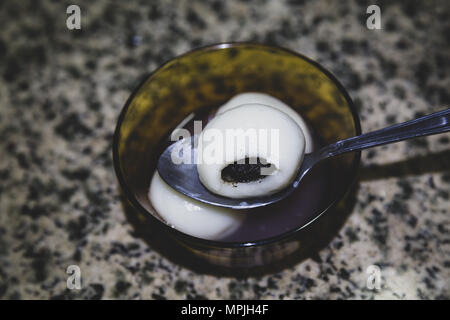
x=274 y=219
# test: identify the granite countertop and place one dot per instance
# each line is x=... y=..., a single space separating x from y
x=60 y=95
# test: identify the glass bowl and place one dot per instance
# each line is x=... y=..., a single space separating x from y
x=210 y=76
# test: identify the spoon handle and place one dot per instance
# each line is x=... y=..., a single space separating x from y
x=434 y=123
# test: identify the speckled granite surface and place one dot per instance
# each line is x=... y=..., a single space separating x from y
x=61 y=92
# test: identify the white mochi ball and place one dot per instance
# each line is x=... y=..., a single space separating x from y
x=282 y=145
x=262 y=98
x=191 y=216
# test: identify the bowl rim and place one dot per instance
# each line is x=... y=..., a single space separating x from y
x=223 y=244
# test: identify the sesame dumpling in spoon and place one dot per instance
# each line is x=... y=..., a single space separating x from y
x=249 y=151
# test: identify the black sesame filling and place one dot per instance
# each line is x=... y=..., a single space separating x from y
x=244 y=172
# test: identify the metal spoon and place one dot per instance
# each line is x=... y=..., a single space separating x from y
x=184 y=177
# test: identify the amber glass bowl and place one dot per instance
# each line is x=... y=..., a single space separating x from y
x=210 y=76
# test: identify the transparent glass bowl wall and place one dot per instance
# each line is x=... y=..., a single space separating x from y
x=208 y=77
